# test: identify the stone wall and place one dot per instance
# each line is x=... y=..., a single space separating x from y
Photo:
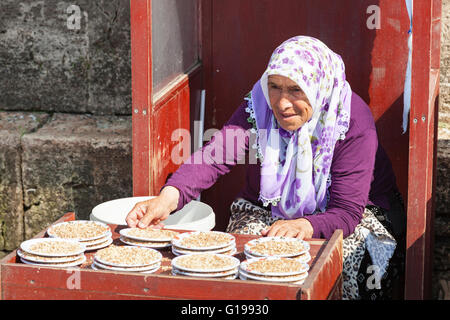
x=65 y=111
x=59 y=58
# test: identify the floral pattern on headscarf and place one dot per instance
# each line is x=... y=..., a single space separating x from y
x=295 y=166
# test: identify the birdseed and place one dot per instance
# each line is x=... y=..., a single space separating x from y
x=149 y=243
x=205 y=261
x=150 y=233
x=206 y=239
x=127 y=255
x=77 y=230
x=281 y=265
x=274 y=247
x=36 y=258
x=62 y=248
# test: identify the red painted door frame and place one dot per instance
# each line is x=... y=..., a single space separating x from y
x=156 y=115
x=141 y=83
x=422 y=147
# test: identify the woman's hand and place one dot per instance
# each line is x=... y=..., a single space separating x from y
x=151 y=212
x=298 y=228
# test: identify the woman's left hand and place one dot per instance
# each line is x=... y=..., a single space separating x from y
x=298 y=228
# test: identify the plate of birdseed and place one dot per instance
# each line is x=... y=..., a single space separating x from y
x=304 y=257
x=80 y=260
x=229 y=250
x=273 y=267
x=295 y=279
x=42 y=259
x=146 y=244
x=276 y=246
x=127 y=256
x=80 y=230
x=203 y=240
x=153 y=268
x=149 y=234
x=205 y=262
x=51 y=247
x=231 y=274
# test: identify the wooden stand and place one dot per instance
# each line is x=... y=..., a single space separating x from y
x=19 y=281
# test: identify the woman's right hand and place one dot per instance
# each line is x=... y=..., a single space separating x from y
x=153 y=211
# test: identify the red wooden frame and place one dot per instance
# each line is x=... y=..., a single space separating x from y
x=422 y=147
x=141 y=82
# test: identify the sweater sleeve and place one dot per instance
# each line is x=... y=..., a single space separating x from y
x=351 y=174
x=204 y=167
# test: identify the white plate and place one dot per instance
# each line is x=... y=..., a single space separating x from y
x=102 y=235
x=248 y=247
x=96 y=241
x=305 y=258
x=243 y=277
x=42 y=259
x=290 y=279
x=180 y=253
x=158 y=259
x=28 y=244
x=177 y=240
x=100 y=245
x=94 y=266
x=126 y=233
x=245 y=267
x=133 y=269
x=221 y=250
x=234 y=272
x=150 y=245
x=234 y=262
x=230 y=275
x=64 y=265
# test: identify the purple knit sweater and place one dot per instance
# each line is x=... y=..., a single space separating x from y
x=361 y=172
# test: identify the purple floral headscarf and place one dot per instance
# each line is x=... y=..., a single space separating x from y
x=295 y=166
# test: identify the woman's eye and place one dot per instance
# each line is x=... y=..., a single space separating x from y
x=274 y=87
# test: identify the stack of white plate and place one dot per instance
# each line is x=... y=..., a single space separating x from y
x=127 y=259
x=274 y=269
x=204 y=242
x=50 y=252
x=149 y=238
x=278 y=247
x=92 y=234
x=206 y=265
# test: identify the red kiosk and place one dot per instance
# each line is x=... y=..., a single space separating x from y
x=233 y=40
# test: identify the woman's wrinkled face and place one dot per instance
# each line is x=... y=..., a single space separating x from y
x=289 y=103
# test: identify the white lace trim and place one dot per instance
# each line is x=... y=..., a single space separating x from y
x=266 y=201
x=252 y=119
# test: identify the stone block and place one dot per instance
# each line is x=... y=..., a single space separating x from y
x=65 y=56
x=73 y=163
x=13 y=125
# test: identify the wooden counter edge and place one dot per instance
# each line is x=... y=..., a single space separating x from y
x=324 y=273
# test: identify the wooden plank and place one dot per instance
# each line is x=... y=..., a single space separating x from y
x=92 y=282
x=141 y=84
x=322 y=279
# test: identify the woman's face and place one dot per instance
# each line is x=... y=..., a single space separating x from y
x=289 y=103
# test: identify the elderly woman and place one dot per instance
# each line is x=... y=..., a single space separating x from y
x=320 y=167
